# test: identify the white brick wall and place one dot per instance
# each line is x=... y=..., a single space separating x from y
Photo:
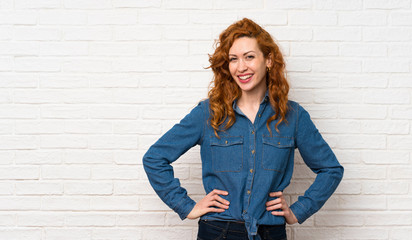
x=86 y=86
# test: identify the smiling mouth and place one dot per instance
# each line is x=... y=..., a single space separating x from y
x=245 y=78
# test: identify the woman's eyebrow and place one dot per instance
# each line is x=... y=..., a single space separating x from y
x=243 y=54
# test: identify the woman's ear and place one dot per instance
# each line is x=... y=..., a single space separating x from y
x=269 y=61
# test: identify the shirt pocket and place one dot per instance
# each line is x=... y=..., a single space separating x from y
x=227 y=154
x=276 y=152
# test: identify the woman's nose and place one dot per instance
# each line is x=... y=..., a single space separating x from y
x=241 y=67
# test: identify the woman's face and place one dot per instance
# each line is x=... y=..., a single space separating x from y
x=247 y=65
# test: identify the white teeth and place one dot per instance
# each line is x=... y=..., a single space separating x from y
x=245 y=77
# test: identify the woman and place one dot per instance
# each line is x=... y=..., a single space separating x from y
x=247 y=130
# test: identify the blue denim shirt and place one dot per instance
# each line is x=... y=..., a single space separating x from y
x=247 y=162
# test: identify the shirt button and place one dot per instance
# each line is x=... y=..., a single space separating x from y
x=253 y=132
x=244 y=211
x=248 y=191
x=253 y=151
x=251 y=170
x=225 y=142
x=260 y=115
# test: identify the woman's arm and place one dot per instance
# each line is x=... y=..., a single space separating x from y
x=168 y=149
x=319 y=157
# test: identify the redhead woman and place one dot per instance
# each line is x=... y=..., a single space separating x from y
x=247 y=130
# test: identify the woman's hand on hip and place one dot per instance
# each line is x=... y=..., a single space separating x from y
x=212 y=202
x=280 y=204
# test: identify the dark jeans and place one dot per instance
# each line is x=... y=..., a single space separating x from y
x=216 y=230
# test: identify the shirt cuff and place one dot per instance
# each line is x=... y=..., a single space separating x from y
x=184 y=207
x=299 y=211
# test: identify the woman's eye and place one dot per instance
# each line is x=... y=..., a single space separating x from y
x=232 y=59
x=250 y=57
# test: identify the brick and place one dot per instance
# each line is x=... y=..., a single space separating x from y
x=39 y=188
x=63 y=48
x=348 y=156
x=400 y=233
x=290 y=33
x=162 y=48
x=402 y=113
x=338 y=34
x=362 y=141
x=63 y=81
x=40 y=219
x=117 y=234
x=354 y=172
x=385 y=157
x=117 y=203
x=50 y=141
x=65 y=204
x=312 y=18
x=19 y=204
x=87 y=157
x=128 y=157
x=384 y=4
x=18 y=80
x=7 y=4
x=6 y=127
x=90 y=65
x=6 y=189
x=265 y=18
x=115 y=172
x=7 y=220
x=384 y=187
x=163 y=17
x=137 y=65
x=62 y=17
x=113 y=17
x=133 y=188
x=38 y=157
x=322 y=111
x=401 y=18
x=136 y=3
x=341 y=219
x=64 y=111
x=36 y=33
x=20 y=234
x=18 y=48
x=335 y=65
x=6 y=33
x=400 y=172
x=6 y=64
x=152 y=204
x=399 y=142
x=400 y=50
x=141 y=219
x=341 y=96
x=95 y=127
x=294 y=4
x=214 y=17
x=363 y=50
x=38 y=96
x=314 y=49
x=349 y=187
x=90 y=4
x=316 y=233
x=389 y=127
x=338 y=126
x=150 y=33
x=362 y=19
x=298 y=65
x=385 y=34
x=113 y=49
x=88 y=188
x=188 y=33
x=139 y=127
x=113 y=142
x=382 y=66
x=245 y=5
x=65 y=172
x=338 y=4
x=365 y=233
x=90 y=220
x=363 y=81
x=67 y=233
x=18 y=142
x=168 y=233
x=7 y=157
x=29 y=64
x=111 y=80
x=362 y=112
x=399 y=203
x=88 y=33
x=36 y=4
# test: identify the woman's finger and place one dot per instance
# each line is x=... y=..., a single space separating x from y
x=221 y=200
x=273 y=202
x=219 y=192
x=275 y=207
x=218 y=204
x=276 y=194
x=278 y=213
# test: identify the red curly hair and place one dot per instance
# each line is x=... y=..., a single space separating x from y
x=225 y=90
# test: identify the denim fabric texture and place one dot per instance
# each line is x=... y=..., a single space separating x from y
x=246 y=161
x=219 y=230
